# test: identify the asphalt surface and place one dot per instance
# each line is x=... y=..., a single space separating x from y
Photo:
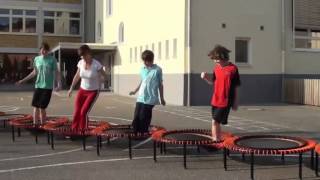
x=25 y=160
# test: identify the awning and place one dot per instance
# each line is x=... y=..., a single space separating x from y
x=74 y=46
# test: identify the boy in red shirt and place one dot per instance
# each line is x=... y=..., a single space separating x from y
x=225 y=79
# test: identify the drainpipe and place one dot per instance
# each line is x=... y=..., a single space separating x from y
x=283 y=49
x=188 y=51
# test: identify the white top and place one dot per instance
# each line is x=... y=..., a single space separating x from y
x=90 y=78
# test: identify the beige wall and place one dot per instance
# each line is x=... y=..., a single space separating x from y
x=298 y=62
x=243 y=18
x=147 y=22
x=18 y=41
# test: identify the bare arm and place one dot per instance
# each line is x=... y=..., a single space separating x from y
x=205 y=77
x=30 y=76
x=136 y=90
x=163 y=102
x=75 y=80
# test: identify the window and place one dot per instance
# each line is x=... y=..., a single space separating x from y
x=174 y=49
x=159 y=51
x=242 y=50
x=130 y=55
x=121 y=33
x=18 y=20
x=152 y=47
x=135 y=54
x=109 y=7
x=99 y=29
x=62 y=23
x=141 y=49
x=167 y=49
x=306 y=24
x=147 y=47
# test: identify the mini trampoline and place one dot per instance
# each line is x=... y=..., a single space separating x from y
x=265 y=145
x=317 y=150
x=63 y=127
x=185 y=137
x=123 y=131
x=6 y=117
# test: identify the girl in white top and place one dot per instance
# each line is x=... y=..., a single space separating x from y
x=89 y=71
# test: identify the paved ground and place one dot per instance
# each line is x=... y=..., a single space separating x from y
x=26 y=160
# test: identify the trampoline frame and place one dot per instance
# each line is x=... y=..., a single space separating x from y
x=317 y=152
x=160 y=140
x=7 y=119
x=306 y=145
x=130 y=136
x=55 y=128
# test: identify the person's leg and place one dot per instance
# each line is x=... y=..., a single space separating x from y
x=216 y=130
x=89 y=101
x=146 y=118
x=79 y=100
x=43 y=115
x=135 y=122
x=36 y=115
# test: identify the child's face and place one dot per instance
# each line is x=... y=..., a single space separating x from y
x=148 y=63
x=44 y=52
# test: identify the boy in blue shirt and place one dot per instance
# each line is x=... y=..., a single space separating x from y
x=149 y=89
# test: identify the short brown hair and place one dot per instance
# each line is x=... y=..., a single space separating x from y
x=45 y=46
x=219 y=52
x=147 y=55
x=84 y=49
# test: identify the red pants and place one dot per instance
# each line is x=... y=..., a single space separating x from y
x=83 y=104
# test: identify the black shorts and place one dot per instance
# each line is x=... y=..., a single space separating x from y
x=220 y=114
x=41 y=98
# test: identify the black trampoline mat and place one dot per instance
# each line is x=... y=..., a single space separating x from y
x=188 y=137
x=9 y=116
x=271 y=143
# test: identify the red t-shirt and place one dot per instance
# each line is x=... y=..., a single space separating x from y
x=225 y=80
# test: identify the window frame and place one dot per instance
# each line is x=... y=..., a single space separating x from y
x=249 y=51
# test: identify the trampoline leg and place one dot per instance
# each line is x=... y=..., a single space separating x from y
x=108 y=141
x=98 y=145
x=36 y=138
x=317 y=164
x=185 y=156
x=252 y=166
x=84 y=143
x=100 y=142
x=48 y=137
x=52 y=140
x=154 y=151
x=225 y=158
x=282 y=157
x=198 y=148
x=130 y=148
x=243 y=157
x=164 y=148
x=13 y=135
x=19 y=132
x=312 y=159
x=300 y=165
x=4 y=124
x=228 y=153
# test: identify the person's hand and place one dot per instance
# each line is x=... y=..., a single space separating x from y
x=70 y=93
x=18 y=83
x=163 y=102
x=131 y=93
x=204 y=75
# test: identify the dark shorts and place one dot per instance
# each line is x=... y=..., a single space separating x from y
x=41 y=98
x=220 y=114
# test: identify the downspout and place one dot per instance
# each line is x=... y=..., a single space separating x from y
x=188 y=52
x=283 y=49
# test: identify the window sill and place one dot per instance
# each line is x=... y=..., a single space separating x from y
x=305 y=50
x=248 y=65
x=62 y=35
x=19 y=34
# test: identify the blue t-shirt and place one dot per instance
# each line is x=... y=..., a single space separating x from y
x=151 y=79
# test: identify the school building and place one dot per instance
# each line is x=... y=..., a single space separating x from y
x=275 y=43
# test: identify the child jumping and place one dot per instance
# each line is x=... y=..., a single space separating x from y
x=46 y=70
x=225 y=79
x=149 y=89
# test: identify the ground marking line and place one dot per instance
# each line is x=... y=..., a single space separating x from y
x=140 y=144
